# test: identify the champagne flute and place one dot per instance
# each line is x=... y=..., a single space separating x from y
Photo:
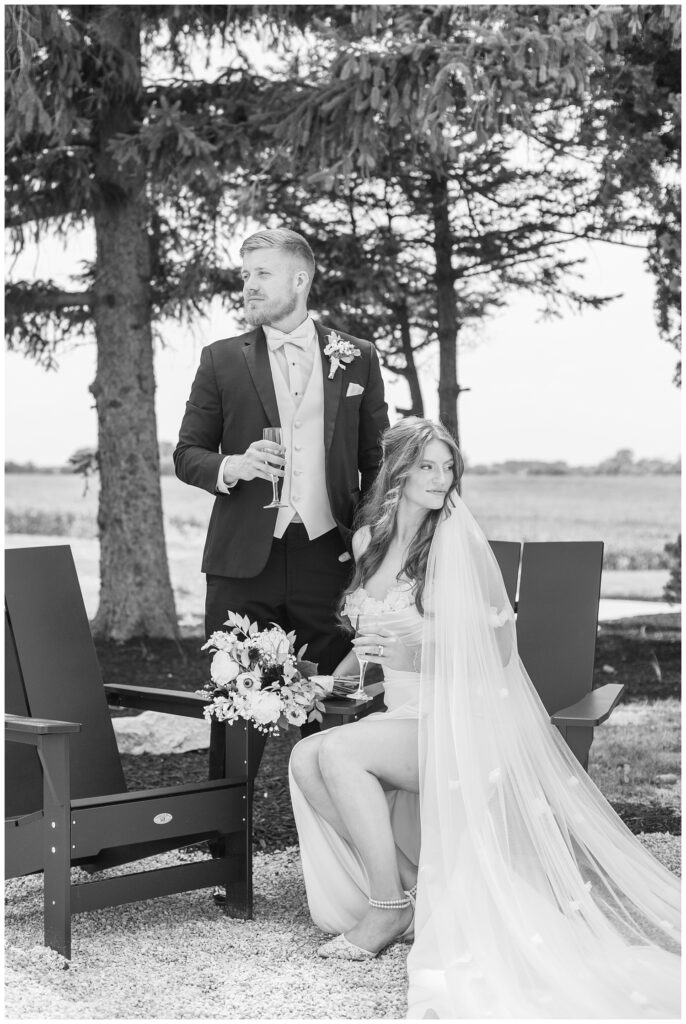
x=273 y=434
x=359 y=693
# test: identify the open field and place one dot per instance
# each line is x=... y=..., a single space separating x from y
x=634 y=516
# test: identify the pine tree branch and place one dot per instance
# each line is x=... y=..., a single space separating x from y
x=583 y=236
x=39 y=297
x=42 y=208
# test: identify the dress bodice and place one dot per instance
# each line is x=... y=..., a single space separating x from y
x=398 y=613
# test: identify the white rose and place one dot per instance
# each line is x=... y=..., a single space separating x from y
x=223 y=668
x=266 y=707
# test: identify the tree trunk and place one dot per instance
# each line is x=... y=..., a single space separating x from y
x=448 y=324
x=136 y=597
x=411 y=367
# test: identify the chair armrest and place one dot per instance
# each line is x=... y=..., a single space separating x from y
x=150 y=698
x=346 y=708
x=18 y=726
x=594 y=708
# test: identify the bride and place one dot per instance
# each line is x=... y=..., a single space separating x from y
x=459 y=820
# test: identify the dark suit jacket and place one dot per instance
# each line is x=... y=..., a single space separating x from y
x=231 y=401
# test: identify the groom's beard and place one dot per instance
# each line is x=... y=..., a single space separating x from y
x=266 y=312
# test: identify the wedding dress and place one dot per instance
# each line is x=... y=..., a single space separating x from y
x=534 y=900
x=336 y=882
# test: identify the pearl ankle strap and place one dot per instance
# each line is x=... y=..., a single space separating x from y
x=390 y=904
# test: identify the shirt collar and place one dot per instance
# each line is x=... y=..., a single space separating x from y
x=304 y=334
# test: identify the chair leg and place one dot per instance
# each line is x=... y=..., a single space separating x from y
x=579 y=739
x=53 y=751
x=238 y=848
x=236 y=751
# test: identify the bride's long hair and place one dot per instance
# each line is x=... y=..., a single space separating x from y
x=403 y=447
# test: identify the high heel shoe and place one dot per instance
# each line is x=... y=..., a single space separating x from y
x=343 y=949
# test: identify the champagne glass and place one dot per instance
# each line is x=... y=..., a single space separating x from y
x=273 y=434
x=359 y=693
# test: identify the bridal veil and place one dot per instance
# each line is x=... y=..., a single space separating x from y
x=534 y=898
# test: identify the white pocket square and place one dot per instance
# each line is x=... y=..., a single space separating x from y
x=354 y=389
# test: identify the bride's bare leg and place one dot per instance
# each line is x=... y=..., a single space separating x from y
x=407 y=869
x=356 y=762
x=307 y=774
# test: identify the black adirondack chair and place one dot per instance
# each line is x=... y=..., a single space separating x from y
x=65 y=794
x=557 y=626
x=554 y=588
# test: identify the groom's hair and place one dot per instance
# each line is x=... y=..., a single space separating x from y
x=282 y=238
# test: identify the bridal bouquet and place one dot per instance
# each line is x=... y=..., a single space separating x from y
x=256 y=676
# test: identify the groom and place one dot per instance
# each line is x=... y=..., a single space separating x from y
x=286 y=565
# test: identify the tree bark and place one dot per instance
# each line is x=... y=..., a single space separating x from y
x=136 y=597
x=448 y=323
x=410 y=374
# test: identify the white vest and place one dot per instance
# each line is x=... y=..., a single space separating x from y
x=303 y=488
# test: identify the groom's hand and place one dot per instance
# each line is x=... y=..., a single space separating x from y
x=262 y=460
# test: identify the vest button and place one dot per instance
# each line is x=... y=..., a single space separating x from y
x=298 y=447
x=297 y=423
x=297 y=472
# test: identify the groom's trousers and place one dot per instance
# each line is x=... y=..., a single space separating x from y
x=299 y=588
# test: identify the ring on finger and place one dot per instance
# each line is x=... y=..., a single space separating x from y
x=380 y=654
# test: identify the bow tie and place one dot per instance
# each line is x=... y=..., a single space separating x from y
x=301 y=336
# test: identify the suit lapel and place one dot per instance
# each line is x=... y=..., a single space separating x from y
x=333 y=389
x=257 y=357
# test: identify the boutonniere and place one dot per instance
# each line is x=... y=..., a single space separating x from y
x=339 y=352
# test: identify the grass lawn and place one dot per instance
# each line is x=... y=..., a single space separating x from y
x=636 y=763
x=640 y=743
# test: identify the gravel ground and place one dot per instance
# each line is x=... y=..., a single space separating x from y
x=178 y=957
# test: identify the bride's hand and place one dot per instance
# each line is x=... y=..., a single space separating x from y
x=385 y=649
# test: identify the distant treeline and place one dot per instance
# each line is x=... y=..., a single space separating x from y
x=623 y=463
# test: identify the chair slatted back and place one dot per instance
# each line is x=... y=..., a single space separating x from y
x=557 y=618
x=57 y=662
x=507 y=554
x=23 y=775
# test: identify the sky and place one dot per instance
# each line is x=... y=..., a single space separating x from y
x=576 y=389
